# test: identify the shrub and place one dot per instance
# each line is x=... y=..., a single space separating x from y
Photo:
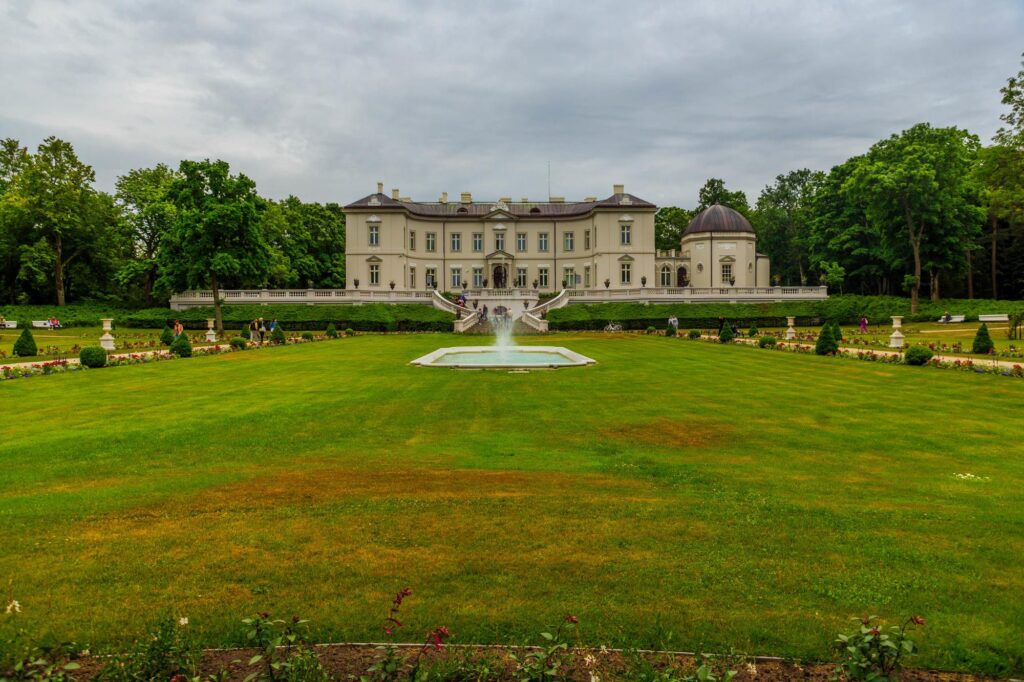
x=694 y=334
x=766 y=342
x=93 y=356
x=182 y=347
x=669 y=331
x=982 y=341
x=167 y=336
x=349 y=332
x=870 y=654
x=277 y=336
x=753 y=331
x=308 y=336
x=239 y=343
x=246 y=334
x=837 y=333
x=826 y=344
x=332 y=331
x=169 y=651
x=25 y=346
x=917 y=355
x=725 y=336
x=651 y=330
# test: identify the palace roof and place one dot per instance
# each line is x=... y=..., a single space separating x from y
x=518 y=209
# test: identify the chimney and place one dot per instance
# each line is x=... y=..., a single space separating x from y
x=467 y=198
x=618 y=189
x=556 y=200
x=394 y=193
x=590 y=200
x=380 y=188
x=444 y=197
x=525 y=200
x=404 y=200
x=505 y=200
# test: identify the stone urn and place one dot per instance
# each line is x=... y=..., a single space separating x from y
x=211 y=336
x=896 y=338
x=107 y=340
x=790 y=331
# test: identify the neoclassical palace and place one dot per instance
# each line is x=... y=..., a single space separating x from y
x=394 y=242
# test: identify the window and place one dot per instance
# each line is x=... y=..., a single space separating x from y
x=569 y=278
x=478 y=241
x=478 y=277
x=521 y=278
x=568 y=241
x=374 y=235
x=726 y=272
x=542 y=241
x=412 y=278
x=520 y=241
x=542 y=277
x=666 y=276
x=499 y=241
x=625 y=234
x=586 y=275
x=456 y=277
x=626 y=273
x=431 y=241
x=374 y=274
x=456 y=241
x=412 y=241
x=431 y=278
x=586 y=239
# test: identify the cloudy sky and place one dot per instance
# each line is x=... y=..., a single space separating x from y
x=322 y=99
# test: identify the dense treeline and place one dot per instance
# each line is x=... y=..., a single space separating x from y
x=62 y=240
x=926 y=211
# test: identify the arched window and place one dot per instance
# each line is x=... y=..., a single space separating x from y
x=666 y=276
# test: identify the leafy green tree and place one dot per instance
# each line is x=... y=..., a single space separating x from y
x=714 y=192
x=833 y=274
x=918 y=185
x=13 y=221
x=782 y=218
x=669 y=224
x=216 y=238
x=307 y=244
x=149 y=213
x=1012 y=134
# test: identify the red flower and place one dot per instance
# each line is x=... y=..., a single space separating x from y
x=875 y=631
x=572 y=619
x=918 y=620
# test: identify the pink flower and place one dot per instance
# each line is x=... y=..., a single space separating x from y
x=572 y=619
x=918 y=620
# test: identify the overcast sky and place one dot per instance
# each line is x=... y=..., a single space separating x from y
x=322 y=99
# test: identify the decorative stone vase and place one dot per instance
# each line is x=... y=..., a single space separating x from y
x=356 y=282
x=107 y=340
x=643 y=281
x=790 y=331
x=896 y=338
x=211 y=336
x=392 y=285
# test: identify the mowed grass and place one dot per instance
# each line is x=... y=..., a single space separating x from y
x=677 y=492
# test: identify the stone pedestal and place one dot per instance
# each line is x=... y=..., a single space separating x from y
x=211 y=335
x=896 y=338
x=107 y=340
x=790 y=331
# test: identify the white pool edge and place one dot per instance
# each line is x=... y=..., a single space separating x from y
x=575 y=359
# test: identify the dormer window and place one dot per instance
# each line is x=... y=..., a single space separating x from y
x=535 y=209
x=462 y=209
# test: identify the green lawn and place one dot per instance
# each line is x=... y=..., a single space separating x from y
x=731 y=496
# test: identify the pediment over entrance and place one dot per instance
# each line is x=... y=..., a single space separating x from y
x=499 y=214
x=500 y=255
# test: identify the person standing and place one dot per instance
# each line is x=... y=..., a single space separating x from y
x=863 y=325
x=179 y=328
x=254 y=331
x=262 y=330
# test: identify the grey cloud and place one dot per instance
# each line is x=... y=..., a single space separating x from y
x=323 y=99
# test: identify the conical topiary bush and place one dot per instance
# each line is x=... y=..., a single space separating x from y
x=25 y=346
x=726 y=335
x=982 y=341
x=167 y=336
x=826 y=344
x=182 y=347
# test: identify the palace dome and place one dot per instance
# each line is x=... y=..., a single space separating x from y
x=718 y=218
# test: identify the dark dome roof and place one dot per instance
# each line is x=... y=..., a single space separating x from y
x=718 y=218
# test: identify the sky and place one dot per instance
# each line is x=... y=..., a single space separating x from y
x=324 y=99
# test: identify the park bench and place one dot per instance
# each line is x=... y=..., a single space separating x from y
x=952 y=319
x=41 y=324
x=9 y=324
x=1001 y=317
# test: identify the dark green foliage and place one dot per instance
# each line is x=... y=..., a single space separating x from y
x=182 y=347
x=167 y=336
x=826 y=344
x=349 y=332
x=982 y=341
x=25 y=346
x=917 y=355
x=332 y=331
x=837 y=332
x=694 y=334
x=308 y=336
x=93 y=356
x=277 y=336
x=168 y=651
x=669 y=330
x=766 y=341
x=246 y=334
x=652 y=329
x=239 y=343
x=752 y=331
x=726 y=335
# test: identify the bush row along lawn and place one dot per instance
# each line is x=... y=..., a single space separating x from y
x=730 y=496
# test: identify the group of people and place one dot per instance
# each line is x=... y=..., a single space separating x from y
x=178 y=329
x=258 y=329
x=53 y=323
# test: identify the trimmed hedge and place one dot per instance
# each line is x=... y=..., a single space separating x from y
x=239 y=343
x=845 y=309
x=917 y=355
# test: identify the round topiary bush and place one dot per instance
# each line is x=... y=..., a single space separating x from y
x=25 y=346
x=307 y=336
x=766 y=342
x=167 y=336
x=277 y=336
x=93 y=356
x=651 y=330
x=349 y=332
x=982 y=341
x=694 y=334
x=753 y=330
x=239 y=343
x=917 y=355
x=181 y=347
x=332 y=331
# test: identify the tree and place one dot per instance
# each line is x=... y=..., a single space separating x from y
x=216 y=238
x=714 y=192
x=149 y=213
x=13 y=221
x=918 y=185
x=1012 y=135
x=307 y=244
x=669 y=224
x=782 y=218
x=833 y=274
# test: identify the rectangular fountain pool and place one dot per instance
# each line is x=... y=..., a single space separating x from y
x=502 y=357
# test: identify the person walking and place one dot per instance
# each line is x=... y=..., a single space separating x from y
x=863 y=325
x=262 y=330
x=254 y=331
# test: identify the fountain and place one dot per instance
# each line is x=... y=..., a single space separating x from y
x=504 y=354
